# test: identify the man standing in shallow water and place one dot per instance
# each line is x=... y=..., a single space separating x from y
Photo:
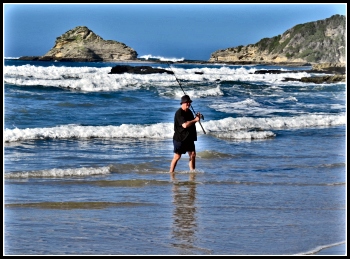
x=185 y=134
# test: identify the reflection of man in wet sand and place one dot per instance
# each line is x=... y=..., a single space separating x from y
x=184 y=225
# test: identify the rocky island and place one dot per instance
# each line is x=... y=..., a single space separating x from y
x=83 y=45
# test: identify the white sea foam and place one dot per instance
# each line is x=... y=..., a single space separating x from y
x=236 y=128
x=244 y=135
x=250 y=107
x=92 y=79
x=201 y=93
x=161 y=58
x=319 y=248
x=58 y=173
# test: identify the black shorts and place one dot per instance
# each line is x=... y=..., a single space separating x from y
x=183 y=147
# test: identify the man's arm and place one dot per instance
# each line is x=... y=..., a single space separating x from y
x=190 y=123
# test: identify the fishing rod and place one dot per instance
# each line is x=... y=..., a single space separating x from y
x=201 y=115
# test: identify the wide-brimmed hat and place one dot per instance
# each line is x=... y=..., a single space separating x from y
x=185 y=99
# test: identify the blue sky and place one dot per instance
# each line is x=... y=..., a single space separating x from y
x=190 y=31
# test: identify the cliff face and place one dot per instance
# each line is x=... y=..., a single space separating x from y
x=323 y=41
x=81 y=43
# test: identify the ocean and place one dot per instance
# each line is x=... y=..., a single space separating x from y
x=87 y=157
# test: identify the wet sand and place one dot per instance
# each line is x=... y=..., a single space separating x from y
x=335 y=250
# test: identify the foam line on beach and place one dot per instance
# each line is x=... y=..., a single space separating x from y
x=320 y=248
x=59 y=173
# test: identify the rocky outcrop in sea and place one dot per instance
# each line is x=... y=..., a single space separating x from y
x=121 y=69
x=335 y=72
x=82 y=44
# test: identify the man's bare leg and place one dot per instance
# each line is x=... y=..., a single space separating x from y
x=173 y=165
x=192 y=163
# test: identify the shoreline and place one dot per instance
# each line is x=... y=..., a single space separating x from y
x=336 y=249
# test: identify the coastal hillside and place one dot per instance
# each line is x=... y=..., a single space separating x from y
x=82 y=44
x=322 y=41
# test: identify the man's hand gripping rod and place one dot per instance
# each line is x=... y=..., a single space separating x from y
x=202 y=117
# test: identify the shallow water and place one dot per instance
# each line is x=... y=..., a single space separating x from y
x=86 y=173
